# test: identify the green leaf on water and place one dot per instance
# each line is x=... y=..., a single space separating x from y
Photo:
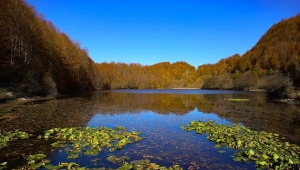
x=71 y=164
x=35 y=166
x=3 y=163
x=265 y=148
x=222 y=151
x=217 y=146
x=126 y=166
x=275 y=157
x=251 y=152
x=239 y=142
x=261 y=163
x=237 y=159
x=50 y=166
x=265 y=156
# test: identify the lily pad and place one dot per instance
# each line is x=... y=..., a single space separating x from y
x=266 y=149
x=115 y=159
x=6 y=137
x=222 y=151
x=3 y=163
x=91 y=141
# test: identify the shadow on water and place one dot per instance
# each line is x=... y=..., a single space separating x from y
x=158 y=114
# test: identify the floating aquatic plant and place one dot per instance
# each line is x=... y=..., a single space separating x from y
x=138 y=164
x=3 y=165
x=237 y=100
x=91 y=141
x=37 y=161
x=87 y=141
x=146 y=164
x=6 y=137
x=262 y=147
x=114 y=159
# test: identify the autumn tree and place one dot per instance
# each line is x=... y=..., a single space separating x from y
x=33 y=51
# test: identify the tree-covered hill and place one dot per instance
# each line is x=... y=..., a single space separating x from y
x=35 y=53
x=273 y=60
x=41 y=60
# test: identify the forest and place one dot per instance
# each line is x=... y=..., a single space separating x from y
x=37 y=59
x=40 y=58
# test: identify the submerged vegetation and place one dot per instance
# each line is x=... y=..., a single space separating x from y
x=266 y=149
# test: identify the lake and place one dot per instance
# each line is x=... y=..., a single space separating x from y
x=158 y=115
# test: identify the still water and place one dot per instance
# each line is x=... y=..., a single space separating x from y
x=158 y=115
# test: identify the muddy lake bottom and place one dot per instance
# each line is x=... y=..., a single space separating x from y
x=158 y=115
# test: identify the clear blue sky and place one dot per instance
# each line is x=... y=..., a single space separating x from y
x=152 y=31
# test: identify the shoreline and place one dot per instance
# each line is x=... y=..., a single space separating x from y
x=186 y=88
x=30 y=99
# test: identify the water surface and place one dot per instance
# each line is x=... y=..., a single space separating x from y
x=158 y=114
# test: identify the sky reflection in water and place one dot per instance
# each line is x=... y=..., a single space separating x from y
x=159 y=115
x=166 y=143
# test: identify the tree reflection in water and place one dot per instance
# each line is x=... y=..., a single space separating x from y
x=157 y=115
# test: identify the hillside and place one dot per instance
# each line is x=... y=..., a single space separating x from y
x=274 y=58
x=38 y=59
x=278 y=49
x=136 y=76
x=37 y=56
x=272 y=63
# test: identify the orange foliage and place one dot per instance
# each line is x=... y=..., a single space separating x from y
x=161 y=75
x=32 y=48
x=278 y=49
